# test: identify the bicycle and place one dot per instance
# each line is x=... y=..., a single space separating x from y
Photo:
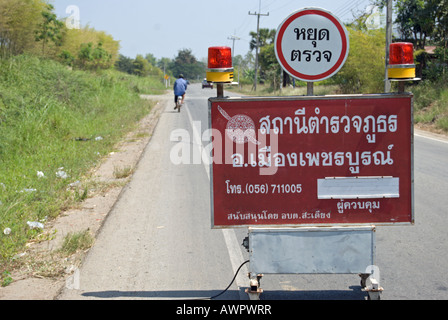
x=179 y=103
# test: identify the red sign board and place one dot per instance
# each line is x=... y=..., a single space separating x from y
x=295 y=161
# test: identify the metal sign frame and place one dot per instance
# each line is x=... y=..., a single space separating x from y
x=390 y=191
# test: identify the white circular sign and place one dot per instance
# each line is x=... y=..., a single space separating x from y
x=311 y=44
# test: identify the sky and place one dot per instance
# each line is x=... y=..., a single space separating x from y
x=163 y=27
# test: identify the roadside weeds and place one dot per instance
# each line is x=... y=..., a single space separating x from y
x=51 y=259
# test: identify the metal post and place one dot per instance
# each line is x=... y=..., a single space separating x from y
x=310 y=88
x=220 y=90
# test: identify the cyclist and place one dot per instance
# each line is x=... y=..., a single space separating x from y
x=180 y=87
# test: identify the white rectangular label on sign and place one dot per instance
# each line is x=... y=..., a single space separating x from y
x=358 y=188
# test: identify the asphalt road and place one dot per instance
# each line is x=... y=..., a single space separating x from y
x=157 y=242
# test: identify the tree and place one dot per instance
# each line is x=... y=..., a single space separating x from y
x=142 y=67
x=75 y=39
x=266 y=37
x=363 y=71
x=441 y=33
x=416 y=19
x=186 y=63
x=18 y=21
x=93 y=58
x=163 y=64
x=51 y=29
x=271 y=69
x=125 y=64
x=151 y=59
x=67 y=58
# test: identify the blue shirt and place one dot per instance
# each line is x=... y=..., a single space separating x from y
x=180 y=86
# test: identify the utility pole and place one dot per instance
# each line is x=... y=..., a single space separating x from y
x=258 y=41
x=388 y=42
x=233 y=38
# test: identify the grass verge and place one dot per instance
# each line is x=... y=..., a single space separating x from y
x=431 y=104
x=56 y=124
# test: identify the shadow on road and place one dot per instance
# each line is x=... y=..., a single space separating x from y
x=355 y=293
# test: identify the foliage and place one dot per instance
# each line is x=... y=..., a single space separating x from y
x=186 y=63
x=421 y=21
x=19 y=19
x=49 y=119
x=66 y=58
x=125 y=64
x=51 y=114
x=416 y=18
x=363 y=71
x=269 y=65
x=88 y=49
x=144 y=67
x=431 y=103
x=93 y=58
x=441 y=29
x=266 y=37
x=139 y=66
x=51 y=29
x=31 y=26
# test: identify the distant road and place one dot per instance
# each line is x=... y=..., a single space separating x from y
x=157 y=242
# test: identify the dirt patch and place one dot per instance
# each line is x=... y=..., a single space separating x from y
x=44 y=271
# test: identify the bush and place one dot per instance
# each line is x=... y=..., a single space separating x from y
x=363 y=71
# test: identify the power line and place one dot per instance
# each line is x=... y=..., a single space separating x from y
x=343 y=7
x=233 y=38
x=348 y=7
x=283 y=6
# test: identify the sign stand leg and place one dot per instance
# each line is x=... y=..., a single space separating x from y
x=220 y=90
x=371 y=284
x=401 y=86
x=310 y=88
x=254 y=289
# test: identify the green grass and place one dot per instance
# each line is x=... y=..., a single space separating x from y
x=49 y=119
x=266 y=90
x=431 y=104
x=76 y=241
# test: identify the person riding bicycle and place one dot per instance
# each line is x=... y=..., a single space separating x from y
x=180 y=87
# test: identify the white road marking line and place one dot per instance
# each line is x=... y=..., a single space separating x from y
x=429 y=137
x=236 y=257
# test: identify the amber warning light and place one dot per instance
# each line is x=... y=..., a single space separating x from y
x=220 y=68
x=401 y=61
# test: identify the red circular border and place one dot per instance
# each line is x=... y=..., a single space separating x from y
x=282 y=59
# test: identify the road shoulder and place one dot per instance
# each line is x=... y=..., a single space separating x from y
x=31 y=284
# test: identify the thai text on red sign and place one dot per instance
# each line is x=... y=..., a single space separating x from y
x=311 y=160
